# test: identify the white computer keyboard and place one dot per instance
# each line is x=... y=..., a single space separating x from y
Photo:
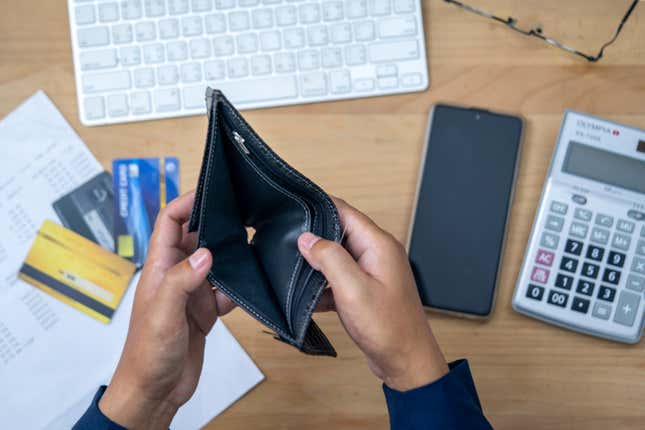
x=147 y=59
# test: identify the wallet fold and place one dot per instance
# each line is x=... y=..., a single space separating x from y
x=250 y=208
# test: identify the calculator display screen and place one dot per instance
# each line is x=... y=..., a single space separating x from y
x=604 y=166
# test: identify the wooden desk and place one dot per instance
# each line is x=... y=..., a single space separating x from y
x=529 y=375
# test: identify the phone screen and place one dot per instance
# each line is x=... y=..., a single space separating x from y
x=464 y=196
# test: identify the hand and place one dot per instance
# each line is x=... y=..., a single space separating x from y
x=373 y=290
x=174 y=309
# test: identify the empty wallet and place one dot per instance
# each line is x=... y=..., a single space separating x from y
x=242 y=184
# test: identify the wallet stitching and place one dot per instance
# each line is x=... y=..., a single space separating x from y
x=287 y=193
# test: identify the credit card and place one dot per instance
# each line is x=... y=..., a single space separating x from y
x=88 y=210
x=142 y=186
x=77 y=271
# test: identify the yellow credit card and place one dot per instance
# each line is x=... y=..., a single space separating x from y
x=77 y=271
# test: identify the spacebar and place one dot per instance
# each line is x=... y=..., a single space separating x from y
x=258 y=90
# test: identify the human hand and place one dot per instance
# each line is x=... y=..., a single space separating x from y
x=174 y=309
x=374 y=292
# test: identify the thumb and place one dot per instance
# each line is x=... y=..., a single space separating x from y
x=338 y=266
x=185 y=278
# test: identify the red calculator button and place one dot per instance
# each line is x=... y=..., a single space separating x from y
x=544 y=257
x=540 y=275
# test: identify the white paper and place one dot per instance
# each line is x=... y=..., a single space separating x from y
x=52 y=355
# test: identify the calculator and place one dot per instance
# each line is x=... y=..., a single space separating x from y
x=584 y=266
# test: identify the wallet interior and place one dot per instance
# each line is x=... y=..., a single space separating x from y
x=243 y=184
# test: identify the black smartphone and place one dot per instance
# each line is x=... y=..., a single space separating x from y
x=463 y=201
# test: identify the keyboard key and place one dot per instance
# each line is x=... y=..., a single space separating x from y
x=177 y=51
x=332 y=10
x=404 y=26
x=309 y=59
x=117 y=105
x=364 y=31
x=620 y=241
x=102 y=82
x=313 y=84
x=259 y=90
x=578 y=230
x=384 y=70
x=193 y=97
x=379 y=7
x=238 y=67
x=201 y=5
x=247 y=43
x=153 y=53
x=540 y=274
x=331 y=57
x=554 y=223
x=284 y=62
x=262 y=18
x=340 y=81
x=99 y=59
x=404 y=6
x=544 y=257
x=166 y=100
x=580 y=305
x=559 y=207
x=355 y=55
x=145 y=31
x=270 y=40
x=569 y=264
x=585 y=287
x=595 y=253
x=557 y=298
x=177 y=7
x=309 y=13
x=108 y=12
x=606 y=293
x=154 y=8
x=611 y=276
x=94 y=107
x=340 y=33
x=239 y=21
x=294 y=38
x=638 y=265
x=130 y=55
x=214 y=70
x=625 y=226
x=563 y=281
x=363 y=84
x=590 y=270
x=604 y=220
x=169 y=28
x=640 y=247
x=388 y=83
x=131 y=9
x=224 y=4
x=599 y=235
x=635 y=283
x=582 y=214
x=261 y=65
x=286 y=15
x=191 y=26
x=573 y=247
x=535 y=292
x=601 y=311
x=93 y=36
x=549 y=240
x=140 y=102
x=626 y=308
x=215 y=23
x=85 y=14
x=200 y=48
x=144 y=78
x=356 y=8
x=167 y=75
x=223 y=46
x=394 y=51
x=616 y=259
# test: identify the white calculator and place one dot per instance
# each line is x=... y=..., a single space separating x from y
x=584 y=267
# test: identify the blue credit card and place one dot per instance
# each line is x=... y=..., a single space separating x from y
x=142 y=186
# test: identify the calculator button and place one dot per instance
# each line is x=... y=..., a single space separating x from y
x=604 y=220
x=559 y=208
x=535 y=292
x=563 y=281
x=620 y=241
x=581 y=200
x=544 y=257
x=590 y=270
x=569 y=264
x=600 y=235
x=626 y=226
x=640 y=247
x=554 y=223
x=606 y=293
x=616 y=259
x=580 y=305
x=549 y=240
x=573 y=247
x=578 y=230
x=582 y=214
x=585 y=287
x=595 y=253
x=643 y=231
x=637 y=215
x=626 y=308
x=635 y=283
x=611 y=276
x=638 y=265
x=557 y=298
x=540 y=275
x=601 y=310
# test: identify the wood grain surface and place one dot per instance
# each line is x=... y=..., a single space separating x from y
x=529 y=375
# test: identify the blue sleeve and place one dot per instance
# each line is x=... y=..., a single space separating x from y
x=93 y=418
x=449 y=403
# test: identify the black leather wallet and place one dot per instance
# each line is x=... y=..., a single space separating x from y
x=243 y=183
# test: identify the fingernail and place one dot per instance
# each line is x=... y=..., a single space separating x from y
x=307 y=240
x=198 y=258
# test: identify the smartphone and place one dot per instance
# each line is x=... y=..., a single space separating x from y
x=464 y=195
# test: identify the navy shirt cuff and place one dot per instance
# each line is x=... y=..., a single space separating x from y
x=451 y=402
x=93 y=418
